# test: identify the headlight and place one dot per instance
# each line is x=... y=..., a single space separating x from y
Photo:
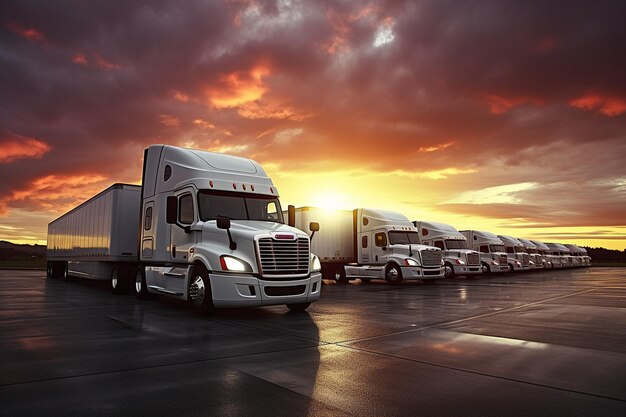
x=443 y=262
x=230 y=263
x=316 y=265
x=518 y=263
x=411 y=262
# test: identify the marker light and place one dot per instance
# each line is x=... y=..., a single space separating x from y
x=230 y=263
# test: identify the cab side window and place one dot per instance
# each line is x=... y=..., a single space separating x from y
x=484 y=249
x=380 y=239
x=147 y=225
x=364 y=242
x=185 y=209
x=439 y=244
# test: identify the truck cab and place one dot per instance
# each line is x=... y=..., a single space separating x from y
x=492 y=255
x=518 y=258
x=458 y=258
x=577 y=255
x=544 y=253
x=388 y=247
x=212 y=232
x=536 y=261
x=563 y=254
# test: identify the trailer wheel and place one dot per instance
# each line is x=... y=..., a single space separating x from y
x=50 y=270
x=300 y=307
x=64 y=272
x=448 y=270
x=199 y=292
x=393 y=274
x=140 y=288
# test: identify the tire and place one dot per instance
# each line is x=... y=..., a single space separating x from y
x=448 y=271
x=139 y=285
x=393 y=274
x=300 y=307
x=486 y=268
x=199 y=293
x=64 y=272
x=49 y=270
x=511 y=268
x=366 y=280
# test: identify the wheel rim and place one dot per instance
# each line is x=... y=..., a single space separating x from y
x=114 y=279
x=197 y=291
x=393 y=274
x=138 y=283
x=448 y=271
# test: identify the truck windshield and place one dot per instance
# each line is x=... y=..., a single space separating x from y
x=496 y=248
x=403 y=238
x=520 y=249
x=456 y=244
x=238 y=206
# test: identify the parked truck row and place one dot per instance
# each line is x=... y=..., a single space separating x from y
x=209 y=229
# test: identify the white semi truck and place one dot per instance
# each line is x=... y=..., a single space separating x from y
x=579 y=255
x=518 y=258
x=203 y=227
x=492 y=255
x=369 y=244
x=536 y=260
x=544 y=253
x=563 y=253
x=458 y=258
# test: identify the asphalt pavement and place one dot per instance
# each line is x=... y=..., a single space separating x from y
x=550 y=343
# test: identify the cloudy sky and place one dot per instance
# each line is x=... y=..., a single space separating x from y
x=508 y=116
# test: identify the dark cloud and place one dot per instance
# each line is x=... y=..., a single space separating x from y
x=512 y=91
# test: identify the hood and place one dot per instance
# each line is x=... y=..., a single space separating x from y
x=248 y=229
x=404 y=249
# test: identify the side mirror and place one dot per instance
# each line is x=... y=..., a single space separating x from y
x=384 y=248
x=291 y=216
x=223 y=223
x=171 y=210
x=313 y=227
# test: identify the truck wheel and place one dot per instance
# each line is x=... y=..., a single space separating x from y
x=511 y=268
x=64 y=272
x=298 y=307
x=448 y=270
x=365 y=280
x=486 y=268
x=199 y=292
x=50 y=270
x=393 y=274
x=140 y=288
x=340 y=275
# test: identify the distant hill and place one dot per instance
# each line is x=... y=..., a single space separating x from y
x=10 y=250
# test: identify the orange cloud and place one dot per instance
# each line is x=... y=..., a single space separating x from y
x=18 y=147
x=435 y=148
x=204 y=124
x=31 y=34
x=609 y=106
x=79 y=59
x=169 y=120
x=56 y=193
x=182 y=97
x=104 y=64
x=239 y=87
x=256 y=110
x=500 y=105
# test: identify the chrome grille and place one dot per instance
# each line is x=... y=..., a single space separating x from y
x=525 y=259
x=284 y=257
x=431 y=257
x=504 y=260
x=473 y=259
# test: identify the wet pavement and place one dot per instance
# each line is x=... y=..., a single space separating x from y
x=545 y=343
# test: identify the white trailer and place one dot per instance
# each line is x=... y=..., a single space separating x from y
x=97 y=239
x=518 y=258
x=369 y=244
x=492 y=255
x=458 y=258
x=203 y=227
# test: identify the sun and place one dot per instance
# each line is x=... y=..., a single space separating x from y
x=329 y=200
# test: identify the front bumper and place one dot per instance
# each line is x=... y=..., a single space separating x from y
x=418 y=272
x=467 y=269
x=241 y=290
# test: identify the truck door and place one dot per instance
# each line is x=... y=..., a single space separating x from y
x=181 y=240
x=380 y=255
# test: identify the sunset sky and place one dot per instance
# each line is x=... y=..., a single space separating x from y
x=507 y=116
